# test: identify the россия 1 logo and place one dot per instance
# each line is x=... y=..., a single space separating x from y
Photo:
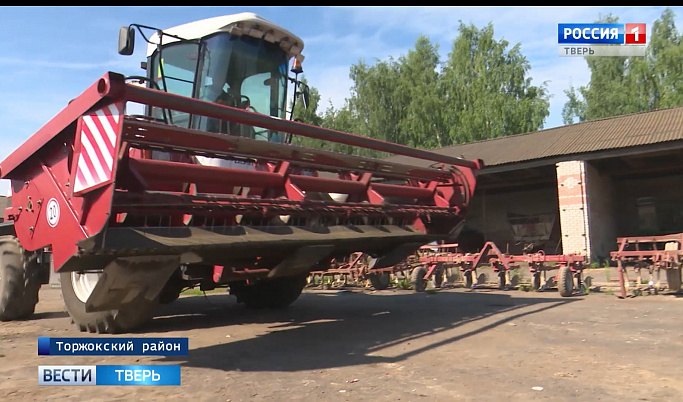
x=615 y=34
x=601 y=40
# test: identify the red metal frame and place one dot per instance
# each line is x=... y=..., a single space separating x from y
x=437 y=257
x=502 y=263
x=646 y=252
x=47 y=166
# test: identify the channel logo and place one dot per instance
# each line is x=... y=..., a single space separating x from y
x=635 y=34
x=615 y=34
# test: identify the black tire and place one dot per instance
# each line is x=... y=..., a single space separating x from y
x=536 y=281
x=380 y=280
x=502 y=280
x=19 y=280
x=126 y=319
x=565 y=282
x=438 y=276
x=673 y=279
x=417 y=280
x=469 y=279
x=275 y=293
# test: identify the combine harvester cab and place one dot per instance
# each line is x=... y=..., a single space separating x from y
x=208 y=192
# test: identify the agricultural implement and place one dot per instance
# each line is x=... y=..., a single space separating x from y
x=652 y=254
x=435 y=261
x=438 y=263
x=206 y=191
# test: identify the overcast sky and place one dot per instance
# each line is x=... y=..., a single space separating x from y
x=49 y=55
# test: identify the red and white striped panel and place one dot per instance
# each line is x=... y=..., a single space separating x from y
x=99 y=134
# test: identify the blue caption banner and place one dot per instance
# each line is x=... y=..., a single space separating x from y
x=138 y=375
x=109 y=375
x=112 y=346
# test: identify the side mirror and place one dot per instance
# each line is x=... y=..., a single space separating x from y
x=126 y=40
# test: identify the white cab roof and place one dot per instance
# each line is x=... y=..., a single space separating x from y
x=237 y=24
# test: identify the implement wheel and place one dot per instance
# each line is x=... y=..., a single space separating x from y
x=77 y=287
x=438 y=274
x=565 y=282
x=417 y=280
x=469 y=279
x=270 y=293
x=19 y=280
x=536 y=281
x=673 y=279
x=380 y=280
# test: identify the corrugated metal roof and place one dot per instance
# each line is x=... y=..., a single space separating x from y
x=619 y=132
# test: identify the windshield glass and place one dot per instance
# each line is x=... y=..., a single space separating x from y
x=246 y=73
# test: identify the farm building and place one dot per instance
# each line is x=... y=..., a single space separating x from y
x=576 y=188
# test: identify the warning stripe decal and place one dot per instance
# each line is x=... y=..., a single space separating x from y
x=98 y=145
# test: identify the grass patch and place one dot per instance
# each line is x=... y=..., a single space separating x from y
x=403 y=284
x=198 y=292
x=525 y=288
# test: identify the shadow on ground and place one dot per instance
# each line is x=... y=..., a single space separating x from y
x=340 y=328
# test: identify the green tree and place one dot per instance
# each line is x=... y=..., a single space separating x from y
x=486 y=90
x=482 y=92
x=422 y=123
x=621 y=85
x=666 y=59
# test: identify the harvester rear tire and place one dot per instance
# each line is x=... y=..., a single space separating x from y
x=380 y=280
x=417 y=280
x=673 y=279
x=565 y=282
x=126 y=319
x=275 y=293
x=19 y=280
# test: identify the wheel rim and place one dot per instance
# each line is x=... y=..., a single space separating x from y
x=83 y=284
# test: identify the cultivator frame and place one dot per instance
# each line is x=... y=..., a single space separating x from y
x=438 y=258
x=125 y=194
x=653 y=253
x=435 y=262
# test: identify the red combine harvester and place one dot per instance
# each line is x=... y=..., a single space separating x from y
x=203 y=187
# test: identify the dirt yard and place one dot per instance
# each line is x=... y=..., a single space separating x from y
x=396 y=345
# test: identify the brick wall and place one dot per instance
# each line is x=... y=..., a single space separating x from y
x=587 y=210
x=573 y=205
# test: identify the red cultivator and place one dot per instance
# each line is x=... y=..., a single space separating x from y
x=437 y=260
x=653 y=254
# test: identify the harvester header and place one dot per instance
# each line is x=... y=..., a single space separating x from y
x=209 y=191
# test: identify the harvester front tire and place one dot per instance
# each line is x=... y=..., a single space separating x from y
x=275 y=293
x=19 y=280
x=126 y=319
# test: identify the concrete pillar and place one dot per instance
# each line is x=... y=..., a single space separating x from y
x=573 y=205
x=587 y=214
